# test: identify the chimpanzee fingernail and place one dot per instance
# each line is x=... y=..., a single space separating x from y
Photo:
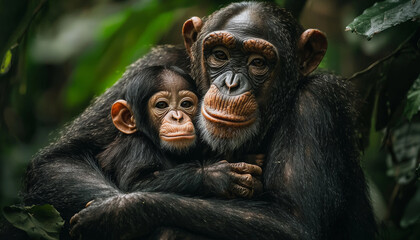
x=88 y=204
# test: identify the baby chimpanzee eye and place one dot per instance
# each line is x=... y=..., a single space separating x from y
x=186 y=104
x=161 y=105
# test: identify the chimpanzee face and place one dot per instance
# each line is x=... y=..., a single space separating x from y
x=242 y=62
x=171 y=111
x=239 y=69
x=238 y=66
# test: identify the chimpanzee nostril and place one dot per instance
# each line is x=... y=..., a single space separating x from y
x=232 y=83
x=177 y=115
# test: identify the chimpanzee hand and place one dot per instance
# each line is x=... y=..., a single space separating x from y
x=118 y=217
x=256 y=159
x=232 y=179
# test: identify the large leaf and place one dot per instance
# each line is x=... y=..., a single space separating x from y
x=39 y=222
x=384 y=15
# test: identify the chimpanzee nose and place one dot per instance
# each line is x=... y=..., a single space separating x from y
x=177 y=115
x=232 y=82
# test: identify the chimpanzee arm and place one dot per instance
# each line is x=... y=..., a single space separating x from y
x=220 y=179
x=66 y=183
x=137 y=165
x=137 y=214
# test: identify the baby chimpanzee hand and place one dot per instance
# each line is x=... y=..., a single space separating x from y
x=232 y=180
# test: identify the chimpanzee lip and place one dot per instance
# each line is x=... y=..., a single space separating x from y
x=231 y=120
x=178 y=136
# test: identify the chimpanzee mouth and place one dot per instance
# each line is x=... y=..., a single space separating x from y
x=227 y=119
x=178 y=137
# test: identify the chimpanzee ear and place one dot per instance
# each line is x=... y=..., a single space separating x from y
x=190 y=31
x=123 y=117
x=312 y=46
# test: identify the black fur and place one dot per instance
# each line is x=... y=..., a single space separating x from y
x=92 y=160
x=315 y=188
x=72 y=157
x=308 y=135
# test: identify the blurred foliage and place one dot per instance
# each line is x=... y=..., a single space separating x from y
x=391 y=89
x=39 y=222
x=6 y=63
x=377 y=84
x=108 y=56
x=57 y=55
x=413 y=100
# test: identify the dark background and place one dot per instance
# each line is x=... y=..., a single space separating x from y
x=63 y=53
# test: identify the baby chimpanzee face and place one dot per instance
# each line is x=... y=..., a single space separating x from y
x=171 y=111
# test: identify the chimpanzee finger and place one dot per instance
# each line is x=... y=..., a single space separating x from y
x=74 y=230
x=255 y=159
x=246 y=168
x=88 y=204
x=244 y=180
x=259 y=159
x=74 y=219
x=241 y=191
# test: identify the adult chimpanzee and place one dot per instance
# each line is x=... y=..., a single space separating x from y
x=252 y=62
x=141 y=143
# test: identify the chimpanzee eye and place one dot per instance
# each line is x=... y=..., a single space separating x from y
x=220 y=55
x=258 y=62
x=161 y=105
x=186 y=104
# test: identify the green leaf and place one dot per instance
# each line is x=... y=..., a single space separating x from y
x=413 y=100
x=384 y=15
x=39 y=222
x=6 y=63
x=412 y=211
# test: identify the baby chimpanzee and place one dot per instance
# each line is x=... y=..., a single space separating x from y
x=154 y=150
